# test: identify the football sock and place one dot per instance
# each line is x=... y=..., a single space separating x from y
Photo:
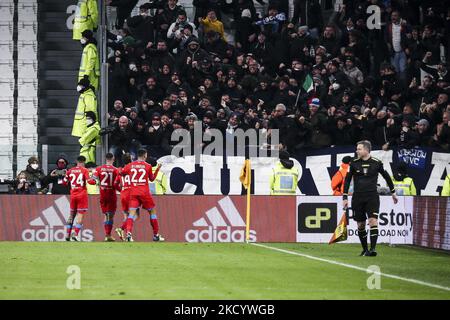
x=363 y=238
x=77 y=228
x=108 y=227
x=373 y=237
x=154 y=223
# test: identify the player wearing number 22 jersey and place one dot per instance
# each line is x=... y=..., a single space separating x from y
x=77 y=178
x=140 y=173
x=106 y=176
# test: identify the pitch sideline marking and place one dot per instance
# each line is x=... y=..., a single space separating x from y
x=423 y=283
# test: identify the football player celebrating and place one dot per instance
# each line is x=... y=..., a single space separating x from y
x=77 y=177
x=123 y=185
x=140 y=173
x=105 y=176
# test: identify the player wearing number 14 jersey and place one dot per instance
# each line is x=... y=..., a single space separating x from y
x=140 y=173
x=105 y=176
x=77 y=177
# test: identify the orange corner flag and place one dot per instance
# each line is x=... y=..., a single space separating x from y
x=245 y=176
x=340 y=234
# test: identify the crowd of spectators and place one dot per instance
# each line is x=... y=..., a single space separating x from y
x=328 y=82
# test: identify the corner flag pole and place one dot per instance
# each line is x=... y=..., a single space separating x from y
x=247 y=229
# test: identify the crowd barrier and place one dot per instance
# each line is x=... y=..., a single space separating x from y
x=423 y=221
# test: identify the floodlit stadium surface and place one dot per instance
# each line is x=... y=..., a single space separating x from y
x=33 y=270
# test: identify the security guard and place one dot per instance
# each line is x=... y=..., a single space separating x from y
x=365 y=200
x=86 y=17
x=159 y=185
x=91 y=137
x=90 y=63
x=284 y=178
x=86 y=102
x=404 y=185
x=446 y=188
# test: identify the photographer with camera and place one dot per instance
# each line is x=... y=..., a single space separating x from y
x=31 y=180
x=176 y=29
x=56 y=176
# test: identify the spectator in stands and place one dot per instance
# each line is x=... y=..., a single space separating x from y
x=31 y=180
x=211 y=23
x=239 y=85
x=122 y=139
x=117 y=112
x=124 y=8
x=177 y=28
x=56 y=176
x=90 y=60
x=166 y=16
x=141 y=25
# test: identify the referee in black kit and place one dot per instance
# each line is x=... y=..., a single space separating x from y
x=365 y=200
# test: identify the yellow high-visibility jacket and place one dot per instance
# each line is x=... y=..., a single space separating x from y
x=446 y=188
x=86 y=17
x=283 y=181
x=90 y=65
x=88 y=141
x=159 y=186
x=86 y=102
x=404 y=187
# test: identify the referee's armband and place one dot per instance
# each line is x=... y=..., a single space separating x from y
x=345 y=196
x=393 y=191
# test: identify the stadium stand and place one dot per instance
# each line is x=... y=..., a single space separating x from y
x=58 y=69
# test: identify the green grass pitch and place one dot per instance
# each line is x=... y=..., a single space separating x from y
x=215 y=271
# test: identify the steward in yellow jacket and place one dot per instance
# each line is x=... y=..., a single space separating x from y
x=91 y=137
x=90 y=63
x=284 y=178
x=86 y=17
x=86 y=102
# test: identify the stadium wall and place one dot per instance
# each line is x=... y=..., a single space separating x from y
x=217 y=175
x=423 y=221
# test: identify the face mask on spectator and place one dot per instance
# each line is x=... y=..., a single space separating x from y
x=89 y=121
x=35 y=166
x=83 y=41
x=133 y=67
x=80 y=88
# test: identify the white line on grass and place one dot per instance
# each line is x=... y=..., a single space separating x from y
x=423 y=283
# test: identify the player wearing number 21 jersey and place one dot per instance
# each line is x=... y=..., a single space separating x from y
x=77 y=178
x=140 y=173
x=105 y=176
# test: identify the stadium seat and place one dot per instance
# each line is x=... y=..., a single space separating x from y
x=6 y=30
x=28 y=87
x=27 y=50
x=27 y=31
x=6 y=50
x=27 y=105
x=27 y=69
x=6 y=105
x=27 y=123
x=6 y=87
x=6 y=69
x=6 y=160
x=6 y=11
x=27 y=11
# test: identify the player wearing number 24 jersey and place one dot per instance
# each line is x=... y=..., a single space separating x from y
x=77 y=178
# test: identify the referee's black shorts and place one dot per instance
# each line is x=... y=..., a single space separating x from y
x=365 y=205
